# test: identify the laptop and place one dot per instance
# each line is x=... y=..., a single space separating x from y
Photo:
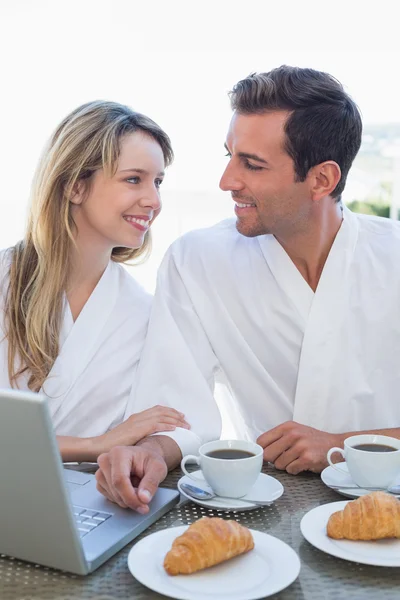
x=50 y=515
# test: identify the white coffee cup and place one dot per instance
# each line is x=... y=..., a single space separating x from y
x=369 y=469
x=232 y=478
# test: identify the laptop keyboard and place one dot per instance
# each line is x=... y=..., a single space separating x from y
x=86 y=519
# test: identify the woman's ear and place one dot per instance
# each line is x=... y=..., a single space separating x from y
x=78 y=192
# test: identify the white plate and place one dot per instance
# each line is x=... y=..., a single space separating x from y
x=331 y=477
x=270 y=567
x=381 y=553
x=265 y=488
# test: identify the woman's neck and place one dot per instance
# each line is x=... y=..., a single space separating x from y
x=86 y=269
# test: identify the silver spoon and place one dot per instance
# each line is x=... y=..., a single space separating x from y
x=201 y=494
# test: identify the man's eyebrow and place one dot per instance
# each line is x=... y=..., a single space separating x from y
x=141 y=171
x=248 y=155
x=252 y=157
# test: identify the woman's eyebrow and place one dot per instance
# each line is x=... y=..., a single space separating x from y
x=142 y=171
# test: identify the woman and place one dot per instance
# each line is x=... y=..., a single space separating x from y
x=73 y=320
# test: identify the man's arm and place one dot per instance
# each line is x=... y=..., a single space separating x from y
x=178 y=365
x=392 y=432
x=166 y=447
x=176 y=369
x=295 y=448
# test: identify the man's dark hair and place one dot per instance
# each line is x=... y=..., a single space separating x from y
x=324 y=124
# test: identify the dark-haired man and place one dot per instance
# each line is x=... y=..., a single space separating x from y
x=295 y=303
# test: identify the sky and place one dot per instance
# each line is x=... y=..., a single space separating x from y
x=175 y=61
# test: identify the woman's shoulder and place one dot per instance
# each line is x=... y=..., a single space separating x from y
x=132 y=302
x=5 y=263
x=131 y=287
x=6 y=255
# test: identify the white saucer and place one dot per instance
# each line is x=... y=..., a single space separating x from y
x=381 y=553
x=265 y=488
x=256 y=574
x=333 y=478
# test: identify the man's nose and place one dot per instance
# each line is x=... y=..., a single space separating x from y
x=229 y=181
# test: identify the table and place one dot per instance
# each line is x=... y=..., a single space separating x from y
x=321 y=577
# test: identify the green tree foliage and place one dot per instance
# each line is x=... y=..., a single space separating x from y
x=377 y=204
x=369 y=208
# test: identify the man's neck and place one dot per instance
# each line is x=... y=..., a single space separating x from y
x=309 y=247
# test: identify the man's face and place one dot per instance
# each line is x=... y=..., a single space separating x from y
x=261 y=178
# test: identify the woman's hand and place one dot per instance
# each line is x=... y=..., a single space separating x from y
x=139 y=426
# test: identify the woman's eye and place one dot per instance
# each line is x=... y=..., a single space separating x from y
x=228 y=154
x=158 y=182
x=133 y=180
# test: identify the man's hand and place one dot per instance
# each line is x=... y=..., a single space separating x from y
x=295 y=448
x=125 y=467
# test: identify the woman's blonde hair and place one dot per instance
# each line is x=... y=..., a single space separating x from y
x=88 y=139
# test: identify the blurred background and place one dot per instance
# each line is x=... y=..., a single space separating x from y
x=176 y=61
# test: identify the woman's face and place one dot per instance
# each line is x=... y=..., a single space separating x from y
x=119 y=210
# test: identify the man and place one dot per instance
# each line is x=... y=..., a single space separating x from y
x=296 y=304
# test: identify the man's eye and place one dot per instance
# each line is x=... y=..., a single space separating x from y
x=228 y=154
x=158 y=182
x=252 y=167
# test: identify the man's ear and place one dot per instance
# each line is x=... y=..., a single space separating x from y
x=78 y=192
x=325 y=178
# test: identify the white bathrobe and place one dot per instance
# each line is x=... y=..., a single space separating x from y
x=238 y=307
x=91 y=379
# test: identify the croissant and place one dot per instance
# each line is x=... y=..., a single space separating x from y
x=205 y=543
x=371 y=517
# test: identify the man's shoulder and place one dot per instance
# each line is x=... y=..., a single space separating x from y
x=217 y=241
x=374 y=227
x=224 y=229
x=379 y=238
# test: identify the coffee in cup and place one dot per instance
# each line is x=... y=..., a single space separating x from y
x=230 y=467
x=372 y=460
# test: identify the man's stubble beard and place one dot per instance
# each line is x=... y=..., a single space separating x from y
x=251 y=231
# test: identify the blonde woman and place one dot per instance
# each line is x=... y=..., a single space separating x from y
x=72 y=320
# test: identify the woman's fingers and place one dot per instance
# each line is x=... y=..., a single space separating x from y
x=167 y=417
x=174 y=421
x=166 y=411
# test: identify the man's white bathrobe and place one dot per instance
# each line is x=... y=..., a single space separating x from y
x=91 y=380
x=238 y=307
